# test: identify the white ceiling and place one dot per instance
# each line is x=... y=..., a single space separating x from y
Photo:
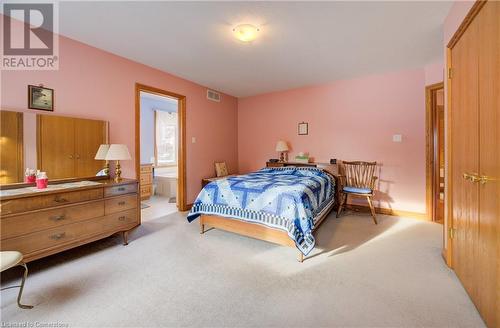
x=300 y=43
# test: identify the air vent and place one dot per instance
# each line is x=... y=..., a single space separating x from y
x=213 y=95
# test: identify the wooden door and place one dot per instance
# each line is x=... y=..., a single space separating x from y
x=89 y=135
x=11 y=155
x=488 y=254
x=465 y=156
x=56 y=146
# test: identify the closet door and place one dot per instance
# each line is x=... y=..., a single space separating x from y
x=489 y=164
x=465 y=157
x=89 y=135
x=56 y=146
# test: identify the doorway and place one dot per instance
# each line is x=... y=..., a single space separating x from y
x=435 y=152
x=160 y=147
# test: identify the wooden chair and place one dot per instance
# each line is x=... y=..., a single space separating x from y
x=359 y=181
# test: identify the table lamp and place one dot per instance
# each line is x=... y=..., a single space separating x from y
x=117 y=152
x=101 y=155
x=282 y=148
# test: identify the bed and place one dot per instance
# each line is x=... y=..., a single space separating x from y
x=282 y=205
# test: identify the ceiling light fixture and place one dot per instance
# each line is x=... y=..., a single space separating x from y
x=245 y=32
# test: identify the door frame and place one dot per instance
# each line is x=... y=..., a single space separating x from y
x=430 y=149
x=181 y=142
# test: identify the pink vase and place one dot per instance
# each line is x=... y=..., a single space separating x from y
x=30 y=178
x=42 y=183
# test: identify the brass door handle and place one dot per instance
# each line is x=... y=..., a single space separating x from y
x=483 y=179
x=472 y=177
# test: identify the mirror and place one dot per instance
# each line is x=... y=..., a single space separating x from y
x=64 y=147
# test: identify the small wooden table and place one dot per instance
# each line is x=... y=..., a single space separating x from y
x=206 y=181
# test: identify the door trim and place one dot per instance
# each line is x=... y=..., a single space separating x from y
x=430 y=149
x=181 y=151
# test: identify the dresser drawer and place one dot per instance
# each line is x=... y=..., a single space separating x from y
x=39 y=241
x=119 y=204
x=146 y=179
x=43 y=201
x=22 y=224
x=146 y=190
x=120 y=190
x=146 y=169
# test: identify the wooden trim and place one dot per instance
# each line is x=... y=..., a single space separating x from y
x=448 y=215
x=20 y=147
x=429 y=149
x=466 y=22
x=181 y=158
x=389 y=211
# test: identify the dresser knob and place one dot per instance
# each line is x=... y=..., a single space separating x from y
x=122 y=218
x=58 y=236
x=58 y=218
x=59 y=199
x=121 y=189
x=121 y=203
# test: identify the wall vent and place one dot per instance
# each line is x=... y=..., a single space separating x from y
x=213 y=95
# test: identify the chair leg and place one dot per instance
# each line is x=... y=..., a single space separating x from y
x=22 y=306
x=372 y=209
x=343 y=201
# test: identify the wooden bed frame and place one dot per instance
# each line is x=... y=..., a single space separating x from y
x=255 y=230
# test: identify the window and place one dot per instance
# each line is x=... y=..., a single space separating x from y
x=166 y=138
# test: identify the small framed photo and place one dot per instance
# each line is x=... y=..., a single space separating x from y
x=221 y=169
x=40 y=98
x=303 y=129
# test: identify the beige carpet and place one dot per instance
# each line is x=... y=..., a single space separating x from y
x=170 y=275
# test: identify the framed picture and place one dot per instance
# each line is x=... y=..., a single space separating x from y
x=221 y=169
x=303 y=129
x=40 y=98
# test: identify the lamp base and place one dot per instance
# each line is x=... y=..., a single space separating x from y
x=282 y=157
x=118 y=172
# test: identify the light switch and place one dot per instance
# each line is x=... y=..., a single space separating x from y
x=397 y=138
x=193 y=139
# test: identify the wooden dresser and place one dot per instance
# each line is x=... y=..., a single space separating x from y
x=43 y=223
x=146 y=181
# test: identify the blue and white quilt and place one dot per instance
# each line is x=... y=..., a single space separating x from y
x=285 y=198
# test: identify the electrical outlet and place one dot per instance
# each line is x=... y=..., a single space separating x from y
x=193 y=139
x=397 y=138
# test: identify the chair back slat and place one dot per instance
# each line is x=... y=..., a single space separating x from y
x=359 y=174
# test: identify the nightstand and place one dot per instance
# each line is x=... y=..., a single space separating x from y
x=206 y=181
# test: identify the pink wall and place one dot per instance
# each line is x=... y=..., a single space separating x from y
x=92 y=83
x=350 y=120
x=434 y=73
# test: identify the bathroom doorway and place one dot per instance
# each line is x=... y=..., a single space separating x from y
x=435 y=152
x=160 y=146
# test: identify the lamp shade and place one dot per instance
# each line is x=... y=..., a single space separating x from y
x=102 y=151
x=117 y=152
x=281 y=146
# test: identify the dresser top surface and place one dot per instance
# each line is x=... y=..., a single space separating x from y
x=6 y=194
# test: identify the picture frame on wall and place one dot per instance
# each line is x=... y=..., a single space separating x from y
x=303 y=129
x=40 y=98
